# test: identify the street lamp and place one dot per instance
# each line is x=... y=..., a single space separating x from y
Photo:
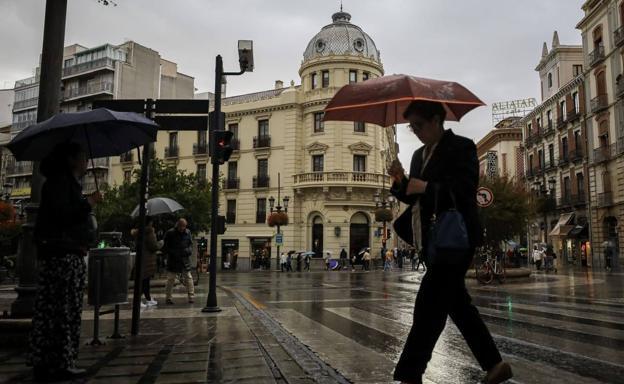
x=278 y=210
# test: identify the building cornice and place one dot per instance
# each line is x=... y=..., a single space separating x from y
x=587 y=6
x=557 y=50
x=554 y=98
x=255 y=111
x=341 y=59
x=496 y=136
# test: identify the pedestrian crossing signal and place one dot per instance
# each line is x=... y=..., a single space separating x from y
x=222 y=146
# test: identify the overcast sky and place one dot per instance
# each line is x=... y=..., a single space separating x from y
x=490 y=46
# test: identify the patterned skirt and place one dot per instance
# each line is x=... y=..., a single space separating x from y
x=55 y=335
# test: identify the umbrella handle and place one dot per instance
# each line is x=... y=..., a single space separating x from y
x=97 y=188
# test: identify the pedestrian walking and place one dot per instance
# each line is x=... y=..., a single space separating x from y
x=343 y=258
x=326 y=256
x=150 y=247
x=307 y=260
x=299 y=260
x=413 y=258
x=62 y=234
x=537 y=257
x=179 y=247
x=401 y=255
x=388 y=260
x=282 y=261
x=420 y=260
x=444 y=175
x=366 y=259
x=352 y=260
x=289 y=262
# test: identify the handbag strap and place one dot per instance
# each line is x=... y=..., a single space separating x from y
x=436 y=194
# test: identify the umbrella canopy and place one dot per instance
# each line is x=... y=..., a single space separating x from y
x=101 y=131
x=159 y=206
x=383 y=100
x=308 y=253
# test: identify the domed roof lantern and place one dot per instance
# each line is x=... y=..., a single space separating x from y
x=341 y=16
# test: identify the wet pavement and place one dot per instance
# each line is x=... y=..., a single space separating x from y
x=343 y=326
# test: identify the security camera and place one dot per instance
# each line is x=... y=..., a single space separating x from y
x=245 y=55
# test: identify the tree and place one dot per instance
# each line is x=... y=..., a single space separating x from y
x=508 y=215
x=165 y=181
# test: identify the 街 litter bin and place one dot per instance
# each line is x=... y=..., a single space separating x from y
x=108 y=268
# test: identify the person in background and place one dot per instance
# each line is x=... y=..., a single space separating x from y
x=537 y=257
x=366 y=259
x=343 y=258
x=388 y=260
x=179 y=247
x=326 y=260
x=63 y=235
x=150 y=247
x=282 y=261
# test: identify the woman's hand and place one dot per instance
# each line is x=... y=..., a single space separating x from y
x=416 y=186
x=94 y=198
x=396 y=171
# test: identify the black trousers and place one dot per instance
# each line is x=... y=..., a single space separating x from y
x=443 y=293
x=146 y=288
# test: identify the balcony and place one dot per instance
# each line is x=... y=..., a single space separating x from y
x=262 y=142
x=549 y=165
x=528 y=142
x=561 y=123
x=619 y=88
x=19 y=169
x=618 y=36
x=549 y=129
x=90 y=187
x=102 y=162
x=579 y=200
x=564 y=161
x=620 y=146
x=22 y=124
x=261 y=217
x=172 y=152
x=26 y=82
x=531 y=173
x=597 y=55
x=599 y=103
x=605 y=199
x=230 y=217
x=261 y=181
x=233 y=183
x=576 y=155
x=90 y=66
x=546 y=204
x=340 y=178
x=127 y=157
x=573 y=115
x=602 y=154
x=89 y=90
x=28 y=103
x=200 y=149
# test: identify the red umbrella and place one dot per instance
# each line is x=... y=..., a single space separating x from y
x=383 y=100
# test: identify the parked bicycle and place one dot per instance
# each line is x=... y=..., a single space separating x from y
x=489 y=266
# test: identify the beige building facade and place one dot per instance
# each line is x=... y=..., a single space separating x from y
x=125 y=71
x=555 y=139
x=501 y=152
x=329 y=170
x=602 y=29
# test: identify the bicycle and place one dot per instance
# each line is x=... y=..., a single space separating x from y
x=489 y=267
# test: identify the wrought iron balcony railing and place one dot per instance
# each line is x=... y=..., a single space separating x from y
x=599 y=103
x=200 y=149
x=605 y=199
x=172 y=152
x=576 y=155
x=261 y=181
x=127 y=157
x=561 y=122
x=618 y=36
x=89 y=66
x=233 y=183
x=602 y=154
x=230 y=217
x=597 y=55
x=262 y=141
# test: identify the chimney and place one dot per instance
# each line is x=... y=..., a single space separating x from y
x=279 y=84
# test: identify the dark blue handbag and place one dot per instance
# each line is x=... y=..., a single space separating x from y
x=448 y=235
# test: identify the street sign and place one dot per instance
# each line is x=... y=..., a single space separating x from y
x=121 y=105
x=182 y=123
x=485 y=197
x=190 y=106
x=279 y=239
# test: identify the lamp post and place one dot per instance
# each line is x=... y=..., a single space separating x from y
x=278 y=209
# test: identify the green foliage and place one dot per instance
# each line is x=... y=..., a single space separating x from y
x=165 y=181
x=507 y=217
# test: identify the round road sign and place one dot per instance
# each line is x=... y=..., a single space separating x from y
x=485 y=197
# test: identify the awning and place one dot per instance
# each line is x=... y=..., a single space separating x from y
x=563 y=226
x=579 y=231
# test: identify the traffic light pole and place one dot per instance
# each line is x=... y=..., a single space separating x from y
x=216 y=124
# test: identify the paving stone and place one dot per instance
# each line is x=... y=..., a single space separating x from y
x=193 y=377
x=184 y=366
x=121 y=370
x=132 y=360
x=115 y=380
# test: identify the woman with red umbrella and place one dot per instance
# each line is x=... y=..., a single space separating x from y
x=441 y=188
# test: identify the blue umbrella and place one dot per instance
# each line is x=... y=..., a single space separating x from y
x=101 y=131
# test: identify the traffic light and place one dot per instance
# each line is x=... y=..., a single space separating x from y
x=221 y=146
x=220 y=225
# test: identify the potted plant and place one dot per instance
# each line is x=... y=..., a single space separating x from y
x=383 y=214
x=277 y=218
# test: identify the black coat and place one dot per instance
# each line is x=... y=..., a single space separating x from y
x=178 y=246
x=63 y=218
x=454 y=166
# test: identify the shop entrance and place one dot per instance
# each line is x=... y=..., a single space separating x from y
x=359 y=235
x=260 y=256
x=229 y=254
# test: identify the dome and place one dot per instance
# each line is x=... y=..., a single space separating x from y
x=341 y=38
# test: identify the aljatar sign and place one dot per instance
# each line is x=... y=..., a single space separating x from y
x=514 y=108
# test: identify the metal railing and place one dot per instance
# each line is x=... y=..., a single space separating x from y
x=618 y=36
x=101 y=162
x=573 y=115
x=91 y=89
x=200 y=149
x=576 y=155
x=564 y=201
x=579 y=199
x=602 y=154
x=605 y=199
x=171 y=152
x=547 y=204
x=235 y=144
x=230 y=217
x=340 y=177
x=231 y=183
x=599 y=103
x=262 y=141
x=561 y=122
x=89 y=66
x=565 y=160
x=127 y=157
x=597 y=55
x=26 y=82
x=32 y=102
x=620 y=146
x=549 y=129
x=548 y=165
x=261 y=181
x=22 y=124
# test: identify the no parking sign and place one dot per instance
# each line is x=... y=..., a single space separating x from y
x=485 y=197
